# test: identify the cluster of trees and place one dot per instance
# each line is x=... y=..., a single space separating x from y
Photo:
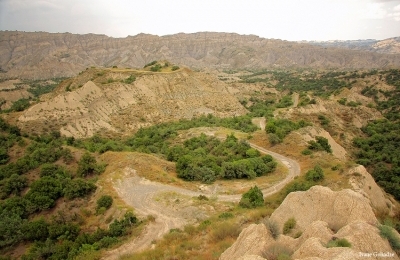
x=305 y=100
x=22 y=198
x=285 y=101
x=154 y=139
x=277 y=129
x=380 y=152
x=321 y=144
x=207 y=159
x=39 y=87
x=60 y=239
x=390 y=106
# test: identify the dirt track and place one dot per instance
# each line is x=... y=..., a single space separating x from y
x=141 y=194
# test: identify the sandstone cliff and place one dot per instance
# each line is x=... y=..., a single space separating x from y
x=321 y=216
x=47 y=55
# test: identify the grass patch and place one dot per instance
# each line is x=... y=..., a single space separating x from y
x=223 y=230
x=289 y=225
x=388 y=233
x=342 y=242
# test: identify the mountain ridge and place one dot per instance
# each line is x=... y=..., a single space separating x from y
x=39 y=55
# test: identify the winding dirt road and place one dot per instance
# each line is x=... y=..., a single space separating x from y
x=141 y=194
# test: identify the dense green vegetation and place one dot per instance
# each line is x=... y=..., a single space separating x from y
x=380 y=151
x=321 y=84
x=207 y=159
x=277 y=129
x=34 y=183
x=38 y=88
x=154 y=139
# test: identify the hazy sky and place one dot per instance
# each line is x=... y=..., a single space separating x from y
x=279 y=19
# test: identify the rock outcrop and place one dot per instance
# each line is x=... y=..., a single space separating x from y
x=322 y=216
x=48 y=55
x=245 y=244
x=363 y=183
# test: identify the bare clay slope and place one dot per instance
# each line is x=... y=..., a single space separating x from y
x=47 y=55
x=108 y=103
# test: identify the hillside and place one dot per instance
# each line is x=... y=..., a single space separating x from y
x=43 y=55
x=121 y=101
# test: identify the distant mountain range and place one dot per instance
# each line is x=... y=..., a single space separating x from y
x=391 y=45
x=39 y=55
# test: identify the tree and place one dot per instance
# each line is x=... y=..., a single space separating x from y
x=15 y=184
x=252 y=199
x=104 y=201
x=35 y=230
x=78 y=188
x=321 y=144
x=315 y=174
x=4 y=157
x=274 y=139
x=10 y=228
x=87 y=165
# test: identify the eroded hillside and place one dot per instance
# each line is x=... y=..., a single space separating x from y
x=123 y=100
x=47 y=55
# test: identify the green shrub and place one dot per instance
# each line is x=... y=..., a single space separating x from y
x=202 y=197
x=104 y=201
x=274 y=139
x=175 y=68
x=289 y=225
x=342 y=242
x=150 y=64
x=88 y=165
x=321 y=144
x=225 y=215
x=388 y=233
x=252 y=199
x=297 y=185
x=156 y=68
x=315 y=174
x=130 y=79
x=342 y=101
x=306 y=152
x=120 y=227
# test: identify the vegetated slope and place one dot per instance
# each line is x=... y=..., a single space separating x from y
x=122 y=101
x=49 y=55
x=390 y=45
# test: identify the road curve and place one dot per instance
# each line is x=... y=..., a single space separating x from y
x=139 y=193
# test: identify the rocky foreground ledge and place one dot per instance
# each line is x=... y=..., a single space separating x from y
x=322 y=216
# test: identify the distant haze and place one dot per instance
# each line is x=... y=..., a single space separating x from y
x=283 y=19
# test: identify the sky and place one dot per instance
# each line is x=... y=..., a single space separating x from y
x=292 y=20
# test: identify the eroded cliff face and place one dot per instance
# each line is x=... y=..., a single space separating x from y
x=49 y=55
x=321 y=215
x=122 y=108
